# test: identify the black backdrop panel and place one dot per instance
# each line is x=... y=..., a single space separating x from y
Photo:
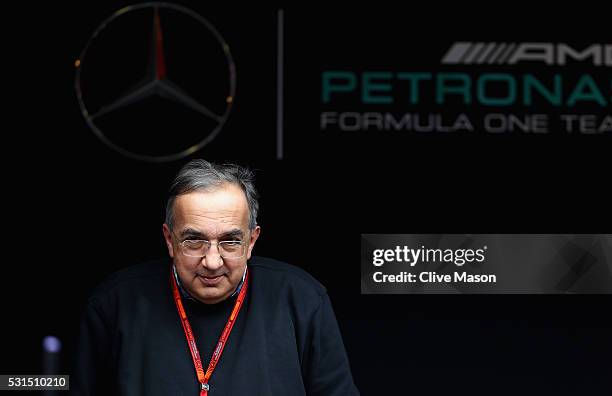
x=78 y=210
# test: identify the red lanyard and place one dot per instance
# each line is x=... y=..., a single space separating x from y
x=203 y=378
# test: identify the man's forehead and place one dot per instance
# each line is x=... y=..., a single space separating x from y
x=217 y=209
x=225 y=198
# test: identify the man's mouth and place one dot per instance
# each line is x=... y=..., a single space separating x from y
x=209 y=280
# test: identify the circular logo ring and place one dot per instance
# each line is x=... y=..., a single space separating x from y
x=220 y=120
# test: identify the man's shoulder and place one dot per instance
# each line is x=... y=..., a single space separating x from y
x=150 y=272
x=277 y=272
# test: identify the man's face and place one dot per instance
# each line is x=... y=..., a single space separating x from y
x=218 y=215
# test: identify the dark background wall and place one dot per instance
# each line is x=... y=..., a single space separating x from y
x=77 y=210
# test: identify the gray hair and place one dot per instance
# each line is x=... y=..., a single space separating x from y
x=201 y=175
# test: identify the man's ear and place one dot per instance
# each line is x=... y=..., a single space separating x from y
x=168 y=238
x=254 y=236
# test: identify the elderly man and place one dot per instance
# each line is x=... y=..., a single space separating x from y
x=213 y=320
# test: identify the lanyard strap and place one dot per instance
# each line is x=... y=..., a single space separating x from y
x=204 y=377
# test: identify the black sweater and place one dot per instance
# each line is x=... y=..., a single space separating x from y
x=285 y=340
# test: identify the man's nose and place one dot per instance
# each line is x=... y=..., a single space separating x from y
x=213 y=259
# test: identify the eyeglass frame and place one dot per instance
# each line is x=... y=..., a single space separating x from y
x=210 y=244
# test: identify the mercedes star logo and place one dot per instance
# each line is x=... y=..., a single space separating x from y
x=155 y=82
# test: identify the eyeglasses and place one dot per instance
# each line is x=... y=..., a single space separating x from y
x=200 y=247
